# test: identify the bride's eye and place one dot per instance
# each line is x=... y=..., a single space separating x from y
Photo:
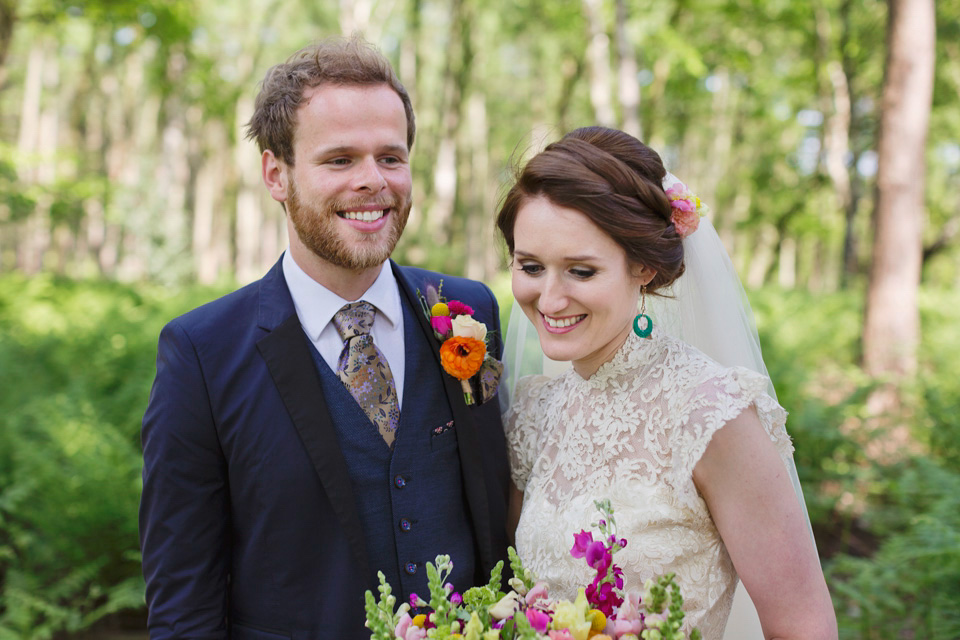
x=531 y=268
x=583 y=272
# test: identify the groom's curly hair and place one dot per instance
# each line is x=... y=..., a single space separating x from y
x=617 y=182
x=339 y=61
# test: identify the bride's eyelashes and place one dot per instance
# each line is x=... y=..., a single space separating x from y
x=531 y=268
x=535 y=269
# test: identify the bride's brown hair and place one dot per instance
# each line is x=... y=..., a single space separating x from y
x=617 y=182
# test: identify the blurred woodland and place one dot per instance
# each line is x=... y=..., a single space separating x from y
x=824 y=135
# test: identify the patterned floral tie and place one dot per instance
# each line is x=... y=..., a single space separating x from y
x=364 y=370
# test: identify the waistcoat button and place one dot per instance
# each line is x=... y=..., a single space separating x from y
x=411 y=568
x=400 y=481
x=405 y=524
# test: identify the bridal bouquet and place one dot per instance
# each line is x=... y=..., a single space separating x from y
x=600 y=611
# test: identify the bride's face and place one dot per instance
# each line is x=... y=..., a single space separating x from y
x=574 y=283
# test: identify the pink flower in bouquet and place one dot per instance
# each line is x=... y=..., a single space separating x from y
x=406 y=630
x=629 y=619
x=581 y=541
x=441 y=324
x=538 y=620
x=604 y=595
x=560 y=635
x=538 y=592
x=598 y=557
x=416 y=601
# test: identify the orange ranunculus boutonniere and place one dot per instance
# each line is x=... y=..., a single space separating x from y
x=463 y=350
x=462 y=357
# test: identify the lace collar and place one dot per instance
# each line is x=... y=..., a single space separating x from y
x=633 y=355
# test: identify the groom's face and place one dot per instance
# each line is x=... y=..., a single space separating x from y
x=348 y=193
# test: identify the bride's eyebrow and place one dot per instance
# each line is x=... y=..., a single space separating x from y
x=584 y=258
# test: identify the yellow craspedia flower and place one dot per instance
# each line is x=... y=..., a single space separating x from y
x=598 y=621
x=419 y=620
x=440 y=309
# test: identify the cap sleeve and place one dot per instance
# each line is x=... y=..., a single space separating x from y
x=719 y=397
x=521 y=425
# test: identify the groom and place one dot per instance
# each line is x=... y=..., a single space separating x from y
x=287 y=455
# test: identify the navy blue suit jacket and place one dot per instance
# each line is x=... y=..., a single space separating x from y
x=248 y=523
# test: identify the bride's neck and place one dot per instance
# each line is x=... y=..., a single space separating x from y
x=588 y=366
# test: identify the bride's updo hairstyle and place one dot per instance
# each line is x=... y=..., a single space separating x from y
x=617 y=182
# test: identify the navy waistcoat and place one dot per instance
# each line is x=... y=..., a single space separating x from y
x=410 y=500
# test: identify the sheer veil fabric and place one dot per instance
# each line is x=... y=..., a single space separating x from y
x=707 y=308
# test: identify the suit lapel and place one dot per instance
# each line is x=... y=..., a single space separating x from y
x=468 y=442
x=287 y=355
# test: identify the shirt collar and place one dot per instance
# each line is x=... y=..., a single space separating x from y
x=316 y=305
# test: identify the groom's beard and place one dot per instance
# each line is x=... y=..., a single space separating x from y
x=319 y=228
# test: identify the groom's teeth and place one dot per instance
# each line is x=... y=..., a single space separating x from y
x=364 y=216
x=563 y=322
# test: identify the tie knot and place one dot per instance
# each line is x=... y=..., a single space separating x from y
x=354 y=319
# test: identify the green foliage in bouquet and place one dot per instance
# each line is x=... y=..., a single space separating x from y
x=664 y=594
x=526 y=612
x=381 y=619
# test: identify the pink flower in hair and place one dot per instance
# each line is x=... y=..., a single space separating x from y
x=685 y=222
x=686 y=209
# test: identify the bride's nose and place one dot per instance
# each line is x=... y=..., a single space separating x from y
x=553 y=296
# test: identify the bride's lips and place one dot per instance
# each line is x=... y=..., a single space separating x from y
x=561 y=324
x=366 y=218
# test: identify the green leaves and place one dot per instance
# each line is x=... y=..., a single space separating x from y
x=77 y=363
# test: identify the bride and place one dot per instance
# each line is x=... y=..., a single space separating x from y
x=692 y=454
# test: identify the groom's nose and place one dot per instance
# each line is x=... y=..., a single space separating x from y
x=368 y=176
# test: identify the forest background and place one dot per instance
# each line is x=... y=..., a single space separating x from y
x=823 y=134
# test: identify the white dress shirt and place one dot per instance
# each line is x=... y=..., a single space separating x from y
x=316 y=306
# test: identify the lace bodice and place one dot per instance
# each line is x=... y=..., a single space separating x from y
x=633 y=433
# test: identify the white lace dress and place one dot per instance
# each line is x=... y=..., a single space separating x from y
x=633 y=433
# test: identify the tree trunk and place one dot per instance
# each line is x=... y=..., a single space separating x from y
x=850 y=266
x=410 y=52
x=657 y=89
x=891 y=322
x=598 y=62
x=572 y=70
x=439 y=216
x=248 y=209
x=480 y=241
x=208 y=196
x=628 y=87
x=8 y=18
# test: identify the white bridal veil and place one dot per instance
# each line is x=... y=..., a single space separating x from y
x=706 y=307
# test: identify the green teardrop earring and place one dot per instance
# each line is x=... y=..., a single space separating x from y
x=642 y=324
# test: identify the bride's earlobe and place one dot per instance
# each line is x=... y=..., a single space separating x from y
x=644 y=275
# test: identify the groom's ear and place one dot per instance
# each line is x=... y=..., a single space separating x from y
x=274 y=171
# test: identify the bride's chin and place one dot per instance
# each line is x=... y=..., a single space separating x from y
x=557 y=355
